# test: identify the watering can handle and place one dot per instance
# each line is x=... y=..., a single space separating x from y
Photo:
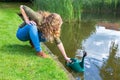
x=69 y=63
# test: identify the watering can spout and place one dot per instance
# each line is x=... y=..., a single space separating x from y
x=82 y=62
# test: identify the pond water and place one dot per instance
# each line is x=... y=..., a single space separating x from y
x=99 y=36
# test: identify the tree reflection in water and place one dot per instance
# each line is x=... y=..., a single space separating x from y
x=110 y=70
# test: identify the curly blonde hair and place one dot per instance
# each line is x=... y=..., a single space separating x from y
x=51 y=25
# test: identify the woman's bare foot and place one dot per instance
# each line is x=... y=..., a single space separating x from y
x=42 y=54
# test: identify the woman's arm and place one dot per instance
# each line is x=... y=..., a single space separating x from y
x=25 y=17
x=31 y=14
x=62 y=50
x=60 y=46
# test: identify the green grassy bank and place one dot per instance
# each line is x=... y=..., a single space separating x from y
x=18 y=60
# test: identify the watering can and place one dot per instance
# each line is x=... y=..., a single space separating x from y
x=76 y=64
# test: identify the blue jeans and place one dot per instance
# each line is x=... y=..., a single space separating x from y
x=30 y=32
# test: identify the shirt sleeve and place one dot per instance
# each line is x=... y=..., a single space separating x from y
x=33 y=15
x=57 y=40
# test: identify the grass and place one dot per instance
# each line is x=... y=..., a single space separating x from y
x=18 y=60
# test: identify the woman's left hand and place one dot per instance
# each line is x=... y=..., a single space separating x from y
x=32 y=22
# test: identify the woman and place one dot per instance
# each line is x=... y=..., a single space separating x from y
x=40 y=27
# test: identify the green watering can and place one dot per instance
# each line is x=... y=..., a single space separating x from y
x=77 y=65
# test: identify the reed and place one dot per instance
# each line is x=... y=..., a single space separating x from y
x=66 y=8
x=77 y=7
x=71 y=10
x=101 y=5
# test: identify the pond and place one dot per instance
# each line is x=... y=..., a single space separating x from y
x=99 y=36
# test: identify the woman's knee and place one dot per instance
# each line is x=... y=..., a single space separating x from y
x=30 y=27
x=33 y=27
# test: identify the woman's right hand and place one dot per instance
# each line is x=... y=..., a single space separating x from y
x=68 y=59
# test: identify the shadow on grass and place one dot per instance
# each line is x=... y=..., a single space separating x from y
x=18 y=49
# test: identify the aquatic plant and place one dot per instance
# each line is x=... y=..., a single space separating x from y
x=101 y=5
x=77 y=7
x=68 y=9
x=71 y=10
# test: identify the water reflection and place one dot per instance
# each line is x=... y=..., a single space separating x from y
x=72 y=36
x=98 y=45
x=110 y=25
x=110 y=69
x=102 y=45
